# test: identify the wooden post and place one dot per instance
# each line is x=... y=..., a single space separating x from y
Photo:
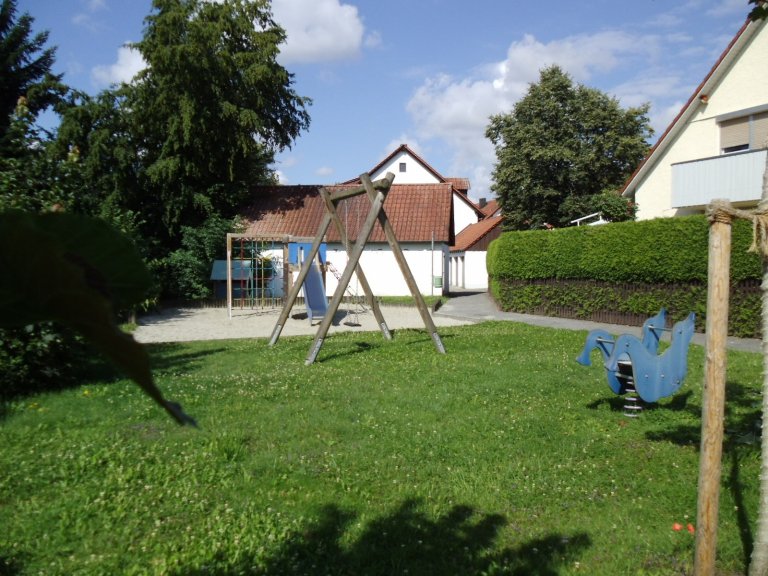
x=354 y=259
x=713 y=405
x=291 y=299
x=229 y=276
x=389 y=232
x=330 y=206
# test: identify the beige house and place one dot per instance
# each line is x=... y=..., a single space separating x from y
x=716 y=146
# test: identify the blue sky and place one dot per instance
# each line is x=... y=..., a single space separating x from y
x=429 y=73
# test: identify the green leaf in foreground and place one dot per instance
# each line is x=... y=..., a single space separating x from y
x=73 y=269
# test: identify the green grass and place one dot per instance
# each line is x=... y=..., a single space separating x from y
x=503 y=456
x=430 y=301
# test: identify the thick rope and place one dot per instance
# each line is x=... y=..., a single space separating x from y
x=722 y=211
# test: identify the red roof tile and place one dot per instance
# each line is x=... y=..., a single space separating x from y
x=474 y=233
x=461 y=184
x=490 y=208
x=416 y=212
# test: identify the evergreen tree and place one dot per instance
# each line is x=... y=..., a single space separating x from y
x=25 y=71
x=210 y=109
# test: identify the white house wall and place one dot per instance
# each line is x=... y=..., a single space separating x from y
x=742 y=87
x=383 y=273
x=415 y=172
x=468 y=270
x=463 y=215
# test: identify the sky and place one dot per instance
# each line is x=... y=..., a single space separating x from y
x=428 y=73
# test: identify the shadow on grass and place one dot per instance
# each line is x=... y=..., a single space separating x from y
x=363 y=346
x=169 y=357
x=10 y=566
x=742 y=418
x=90 y=366
x=408 y=542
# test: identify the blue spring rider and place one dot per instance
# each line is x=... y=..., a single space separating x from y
x=633 y=364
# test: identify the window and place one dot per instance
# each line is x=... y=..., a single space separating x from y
x=402 y=166
x=746 y=132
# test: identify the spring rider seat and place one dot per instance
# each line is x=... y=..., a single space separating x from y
x=633 y=365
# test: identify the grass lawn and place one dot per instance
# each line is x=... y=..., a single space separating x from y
x=503 y=456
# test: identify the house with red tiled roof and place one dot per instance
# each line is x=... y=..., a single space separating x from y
x=426 y=211
x=468 y=254
x=410 y=168
x=716 y=146
x=489 y=208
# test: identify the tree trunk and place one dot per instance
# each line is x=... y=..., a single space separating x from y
x=759 y=561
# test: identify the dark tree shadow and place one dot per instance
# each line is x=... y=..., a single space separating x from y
x=10 y=566
x=460 y=543
x=171 y=356
x=424 y=338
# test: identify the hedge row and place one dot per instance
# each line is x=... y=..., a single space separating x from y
x=631 y=269
x=661 y=251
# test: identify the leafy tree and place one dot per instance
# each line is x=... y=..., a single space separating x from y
x=25 y=69
x=189 y=266
x=759 y=11
x=192 y=134
x=200 y=124
x=562 y=149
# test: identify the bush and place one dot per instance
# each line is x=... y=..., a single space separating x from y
x=186 y=272
x=35 y=358
x=633 y=268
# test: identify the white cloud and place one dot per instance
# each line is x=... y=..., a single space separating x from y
x=655 y=86
x=728 y=8
x=87 y=20
x=457 y=110
x=289 y=161
x=324 y=171
x=129 y=63
x=373 y=39
x=395 y=143
x=582 y=56
x=320 y=30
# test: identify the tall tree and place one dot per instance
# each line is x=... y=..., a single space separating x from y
x=562 y=149
x=25 y=69
x=187 y=139
x=759 y=11
x=211 y=107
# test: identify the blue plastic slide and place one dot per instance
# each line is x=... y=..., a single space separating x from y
x=314 y=294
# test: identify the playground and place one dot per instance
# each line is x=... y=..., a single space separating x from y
x=503 y=456
x=189 y=324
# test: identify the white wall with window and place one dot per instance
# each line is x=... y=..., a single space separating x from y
x=697 y=161
x=407 y=170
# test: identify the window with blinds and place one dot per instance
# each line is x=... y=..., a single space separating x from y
x=760 y=130
x=744 y=133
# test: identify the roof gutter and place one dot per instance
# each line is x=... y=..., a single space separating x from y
x=698 y=98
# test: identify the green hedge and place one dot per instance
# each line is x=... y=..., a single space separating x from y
x=631 y=268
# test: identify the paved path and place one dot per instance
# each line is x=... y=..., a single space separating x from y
x=177 y=325
x=478 y=306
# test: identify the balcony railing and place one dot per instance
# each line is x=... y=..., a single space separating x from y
x=736 y=177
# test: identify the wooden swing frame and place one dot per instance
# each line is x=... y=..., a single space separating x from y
x=377 y=192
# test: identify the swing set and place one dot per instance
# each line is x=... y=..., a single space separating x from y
x=377 y=193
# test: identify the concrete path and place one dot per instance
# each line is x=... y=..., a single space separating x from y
x=478 y=307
